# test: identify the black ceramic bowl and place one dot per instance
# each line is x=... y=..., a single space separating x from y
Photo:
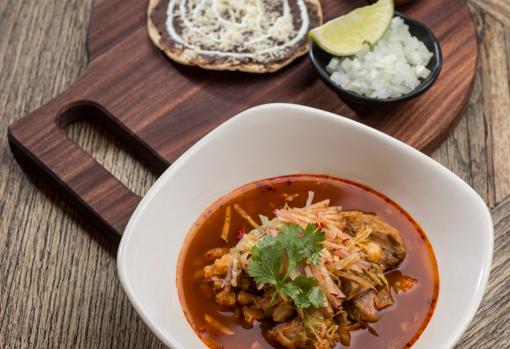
x=320 y=59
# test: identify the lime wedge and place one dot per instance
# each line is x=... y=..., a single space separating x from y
x=346 y=35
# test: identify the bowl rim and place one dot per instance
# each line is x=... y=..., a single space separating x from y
x=360 y=99
x=170 y=340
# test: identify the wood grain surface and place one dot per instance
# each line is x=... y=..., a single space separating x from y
x=58 y=285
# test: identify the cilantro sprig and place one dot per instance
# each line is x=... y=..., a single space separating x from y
x=274 y=257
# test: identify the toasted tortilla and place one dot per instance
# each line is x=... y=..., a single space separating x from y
x=186 y=54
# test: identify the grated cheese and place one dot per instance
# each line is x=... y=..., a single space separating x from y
x=236 y=28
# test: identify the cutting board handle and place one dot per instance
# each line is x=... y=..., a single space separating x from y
x=48 y=151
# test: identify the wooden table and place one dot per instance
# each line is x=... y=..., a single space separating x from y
x=58 y=285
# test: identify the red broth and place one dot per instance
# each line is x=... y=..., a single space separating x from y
x=400 y=325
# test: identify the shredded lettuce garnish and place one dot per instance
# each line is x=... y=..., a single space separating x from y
x=274 y=257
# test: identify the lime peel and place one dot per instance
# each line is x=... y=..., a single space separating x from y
x=348 y=34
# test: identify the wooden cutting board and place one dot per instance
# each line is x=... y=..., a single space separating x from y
x=159 y=108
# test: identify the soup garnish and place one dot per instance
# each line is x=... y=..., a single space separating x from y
x=307 y=262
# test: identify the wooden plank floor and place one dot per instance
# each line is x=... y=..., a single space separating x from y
x=58 y=284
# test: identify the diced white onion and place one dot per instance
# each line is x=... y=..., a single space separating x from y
x=394 y=67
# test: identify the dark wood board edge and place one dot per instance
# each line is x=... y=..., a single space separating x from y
x=74 y=174
x=432 y=146
x=32 y=166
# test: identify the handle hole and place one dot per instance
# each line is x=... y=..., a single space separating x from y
x=85 y=125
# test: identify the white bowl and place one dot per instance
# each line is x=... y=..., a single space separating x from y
x=278 y=139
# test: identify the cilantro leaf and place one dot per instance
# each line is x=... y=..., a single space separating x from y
x=274 y=257
x=265 y=262
x=288 y=237
x=301 y=245
x=311 y=243
x=304 y=291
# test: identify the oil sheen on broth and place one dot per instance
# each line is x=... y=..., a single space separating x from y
x=400 y=325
